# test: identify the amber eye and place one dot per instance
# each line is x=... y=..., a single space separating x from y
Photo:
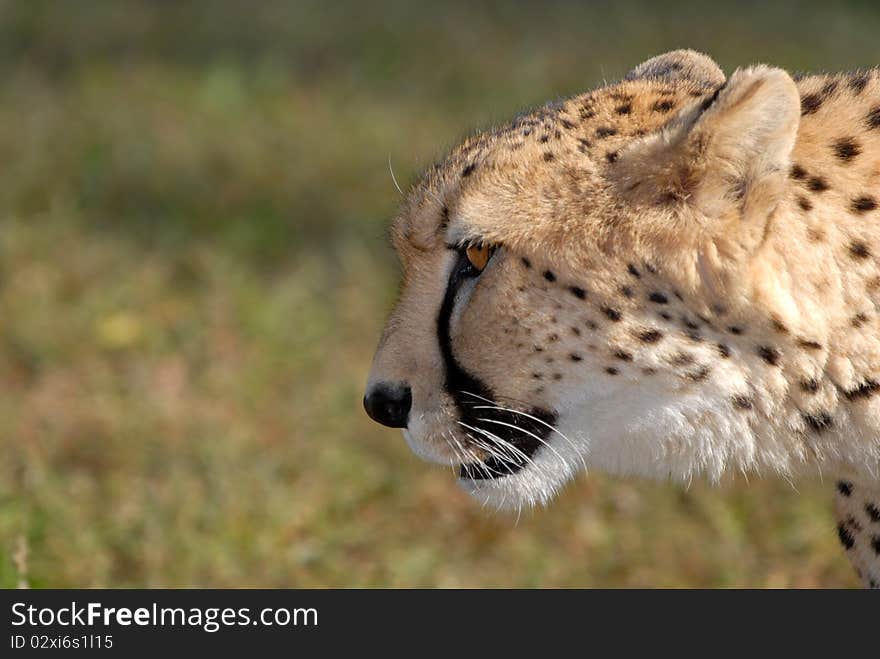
x=478 y=256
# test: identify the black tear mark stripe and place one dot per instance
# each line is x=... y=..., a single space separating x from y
x=456 y=378
x=526 y=435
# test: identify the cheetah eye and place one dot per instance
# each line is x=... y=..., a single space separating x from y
x=478 y=256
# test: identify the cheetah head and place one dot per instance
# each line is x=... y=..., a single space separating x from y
x=564 y=275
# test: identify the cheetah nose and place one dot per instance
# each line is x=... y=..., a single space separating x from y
x=389 y=403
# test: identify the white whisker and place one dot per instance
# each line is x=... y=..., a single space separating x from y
x=530 y=434
x=542 y=422
x=513 y=452
x=393 y=177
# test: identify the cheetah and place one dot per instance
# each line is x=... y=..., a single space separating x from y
x=674 y=276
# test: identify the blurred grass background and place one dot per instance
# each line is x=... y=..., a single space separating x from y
x=194 y=272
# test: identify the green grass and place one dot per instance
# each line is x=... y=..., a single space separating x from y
x=194 y=271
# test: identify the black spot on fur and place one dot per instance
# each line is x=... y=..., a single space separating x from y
x=682 y=359
x=723 y=350
x=575 y=357
x=611 y=157
x=605 y=131
x=865 y=389
x=526 y=262
x=623 y=355
x=859 y=319
x=769 y=354
x=858 y=81
x=779 y=326
x=557 y=376
x=804 y=203
x=627 y=291
x=829 y=88
x=700 y=374
x=633 y=271
x=733 y=329
x=626 y=108
x=576 y=331
x=863 y=204
x=741 y=402
x=846 y=538
x=846 y=149
x=578 y=292
x=467 y=171
x=548 y=156
x=873 y=512
x=658 y=297
x=810 y=103
x=650 y=336
x=875 y=544
x=819 y=422
x=612 y=314
x=859 y=249
x=549 y=276
x=809 y=345
x=817 y=184
x=537 y=376
x=810 y=386
x=663 y=106
x=797 y=172
x=444 y=217
x=845 y=488
x=611 y=370
x=567 y=125
x=873 y=118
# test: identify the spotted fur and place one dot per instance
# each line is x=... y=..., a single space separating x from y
x=686 y=282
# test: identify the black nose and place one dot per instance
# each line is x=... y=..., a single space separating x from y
x=389 y=404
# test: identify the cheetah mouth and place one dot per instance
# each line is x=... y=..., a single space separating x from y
x=510 y=438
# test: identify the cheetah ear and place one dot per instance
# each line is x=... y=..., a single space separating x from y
x=722 y=160
x=680 y=65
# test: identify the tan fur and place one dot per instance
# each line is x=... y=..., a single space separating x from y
x=752 y=207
